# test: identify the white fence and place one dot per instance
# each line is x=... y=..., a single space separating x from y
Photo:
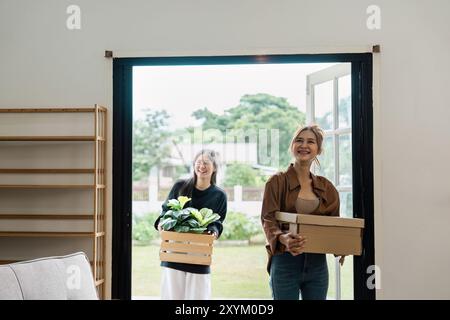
x=146 y=202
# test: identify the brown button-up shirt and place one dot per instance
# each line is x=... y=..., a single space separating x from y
x=281 y=193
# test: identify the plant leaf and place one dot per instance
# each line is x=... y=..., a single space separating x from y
x=174 y=204
x=168 y=214
x=168 y=224
x=183 y=215
x=176 y=214
x=196 y=214
x=181 y=228
x=197 y=230
x=193 y=223
x=182 y=201
x=210 y=219
x=205 y=212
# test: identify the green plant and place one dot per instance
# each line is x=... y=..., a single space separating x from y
x=150 y=147
x=143 y=230
x=242 y=174
x=189 y=219
x=238 y=226
x=257 y=112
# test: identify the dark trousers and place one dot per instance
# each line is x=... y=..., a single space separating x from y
x=305 y=275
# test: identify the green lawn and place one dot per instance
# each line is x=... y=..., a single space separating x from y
x=238 y=272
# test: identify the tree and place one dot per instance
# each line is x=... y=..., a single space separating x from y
x=243 y=175
x=259 y=111
x=150 y=147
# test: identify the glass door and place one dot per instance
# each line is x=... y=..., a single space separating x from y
x=329 y=100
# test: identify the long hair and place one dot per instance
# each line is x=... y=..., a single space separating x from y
x=188 y=187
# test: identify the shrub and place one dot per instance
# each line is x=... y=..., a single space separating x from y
x=244 y=175
x=238 y=226
x=143 y=230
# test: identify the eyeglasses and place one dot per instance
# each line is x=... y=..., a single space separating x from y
x=202 y=162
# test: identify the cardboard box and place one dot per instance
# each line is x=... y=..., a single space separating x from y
x=191 y=248
x=325 y=234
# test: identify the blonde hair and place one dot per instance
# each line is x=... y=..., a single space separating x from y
x=318 y=132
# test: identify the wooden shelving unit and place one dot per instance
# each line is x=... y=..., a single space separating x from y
x=16 y=216
x=50 y=186
x=50 y=138
x=96 y=217
x=47 y=170
x=55 y=234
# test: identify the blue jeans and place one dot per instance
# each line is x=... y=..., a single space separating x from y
x=305 y=274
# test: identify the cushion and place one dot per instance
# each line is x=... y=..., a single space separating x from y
x=79 y=279
x=41 y=280
x=53 y=278
x=9 y=288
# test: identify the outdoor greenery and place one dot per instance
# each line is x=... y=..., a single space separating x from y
x=153 y=137
x=150 y=147
x=143 y=230
x=259 y=111
x=243 y=175
x=238 y=226
x=246 y=279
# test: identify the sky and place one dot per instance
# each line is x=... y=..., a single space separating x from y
x=180 y=90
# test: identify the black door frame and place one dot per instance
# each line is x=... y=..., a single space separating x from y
x=362 y=153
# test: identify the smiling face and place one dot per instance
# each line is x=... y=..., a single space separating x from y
x=305 y=147
x=204 y=167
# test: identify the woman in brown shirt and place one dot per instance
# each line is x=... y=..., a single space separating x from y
x=297 y=190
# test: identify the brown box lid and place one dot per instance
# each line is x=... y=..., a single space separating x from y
x=319 y=220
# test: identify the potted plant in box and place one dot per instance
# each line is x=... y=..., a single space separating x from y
x=183 y=236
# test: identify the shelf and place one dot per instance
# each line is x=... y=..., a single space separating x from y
x=23 y=234
x=52 y=110
x=50 y=186
x=48 y=171
x=50 y=138
x=47 y=216
x=33 y=141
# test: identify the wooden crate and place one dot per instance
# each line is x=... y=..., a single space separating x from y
x=325 y=234
x=191 y=248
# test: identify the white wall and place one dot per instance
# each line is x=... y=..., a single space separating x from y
x=44 y=64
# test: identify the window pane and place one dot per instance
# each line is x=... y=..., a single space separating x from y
x=327 y=167
x=323 y=104
x=345 y=160
x=331 y=294
x=346 y=210
x=345 y=101
x=347 y=279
